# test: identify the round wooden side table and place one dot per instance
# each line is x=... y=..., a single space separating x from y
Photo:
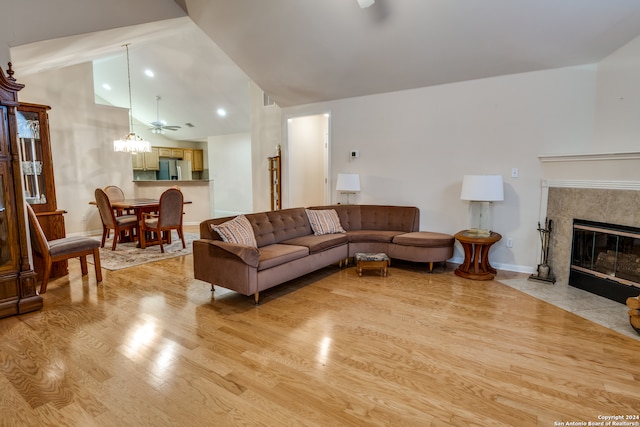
x=476 y=255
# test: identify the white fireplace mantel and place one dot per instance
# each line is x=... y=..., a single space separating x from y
x=608 y=171
x=547 y=158
x=600 y=184
x=616 y=171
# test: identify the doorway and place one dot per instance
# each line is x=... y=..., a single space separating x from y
x=308 y=160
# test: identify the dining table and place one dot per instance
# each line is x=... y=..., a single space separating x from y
x=139 y=206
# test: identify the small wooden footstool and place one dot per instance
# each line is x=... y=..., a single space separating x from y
x=371 y=261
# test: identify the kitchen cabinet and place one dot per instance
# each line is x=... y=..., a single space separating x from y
x=187 y=154
x=174 y=153
x=196 y=157
x=151 y=159
x=17 y=279
x=137 y=161
x=197 y=165
x=146 y=161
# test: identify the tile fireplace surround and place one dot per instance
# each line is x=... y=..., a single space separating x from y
x=594 y=204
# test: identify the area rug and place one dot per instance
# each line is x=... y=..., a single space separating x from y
x=128 y=255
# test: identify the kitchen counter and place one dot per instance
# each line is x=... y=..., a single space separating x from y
x=199 y=191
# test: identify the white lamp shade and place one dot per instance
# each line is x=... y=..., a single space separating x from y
x=482 y=188
x=348 y=182
x=366 y=3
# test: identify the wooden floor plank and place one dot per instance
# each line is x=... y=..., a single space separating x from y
x=151 y=345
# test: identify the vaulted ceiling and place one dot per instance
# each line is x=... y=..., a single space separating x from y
x=300 y=52
x=306 y=51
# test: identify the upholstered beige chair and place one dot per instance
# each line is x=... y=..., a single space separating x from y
x=169 y=217
x=62 y=249
x=111 y=221
x=114 y=193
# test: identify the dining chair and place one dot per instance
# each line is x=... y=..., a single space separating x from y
x=62 y=249
x=111 y=221
x=169 y=217
x=116 y=194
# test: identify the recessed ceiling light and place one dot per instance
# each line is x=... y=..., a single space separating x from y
x=106 y=86
x=148 y=72
x=221 y=112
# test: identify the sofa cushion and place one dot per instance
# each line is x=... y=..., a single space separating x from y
x=275 y=226
x=238 y=230
x=276 y=254
x=377 y=217
x=319 y=243
x=372 y=235
x=324 y=221
x=424 y=239
x=398 y=218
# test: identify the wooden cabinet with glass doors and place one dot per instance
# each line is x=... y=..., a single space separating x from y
x=17 y=278
x=37 y=176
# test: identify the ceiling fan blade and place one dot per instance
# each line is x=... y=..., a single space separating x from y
x=160 y=125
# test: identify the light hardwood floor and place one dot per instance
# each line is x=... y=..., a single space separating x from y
x=150 y=346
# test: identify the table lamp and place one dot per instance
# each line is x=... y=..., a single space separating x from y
x=481 y=190
x=348 y=183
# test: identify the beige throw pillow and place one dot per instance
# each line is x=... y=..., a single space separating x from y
x=324 y=221
x=237 y=230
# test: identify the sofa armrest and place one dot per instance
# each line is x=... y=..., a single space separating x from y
x=226 y=264
x=249 y=255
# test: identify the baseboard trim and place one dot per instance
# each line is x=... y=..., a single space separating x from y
x=500 y=266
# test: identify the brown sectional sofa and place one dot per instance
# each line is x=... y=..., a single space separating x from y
x=287 y=247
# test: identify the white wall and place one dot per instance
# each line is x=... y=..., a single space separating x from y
x=618 y=101
x=266 y=134
x=416 y=145
x=82 y=135
x=230 y=170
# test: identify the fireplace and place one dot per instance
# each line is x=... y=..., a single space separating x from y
x=605 y=259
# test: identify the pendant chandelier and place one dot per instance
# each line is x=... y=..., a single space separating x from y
x=131 y=143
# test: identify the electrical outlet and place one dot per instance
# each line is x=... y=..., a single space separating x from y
x=84 y=217
x=509 y=242
x=514 y=172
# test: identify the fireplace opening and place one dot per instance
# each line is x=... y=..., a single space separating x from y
x=605 y=259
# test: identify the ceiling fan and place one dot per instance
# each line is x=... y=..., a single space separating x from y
x=159 y=126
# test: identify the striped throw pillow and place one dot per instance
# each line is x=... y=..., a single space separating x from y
x=237 y=230
x=324 y=221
